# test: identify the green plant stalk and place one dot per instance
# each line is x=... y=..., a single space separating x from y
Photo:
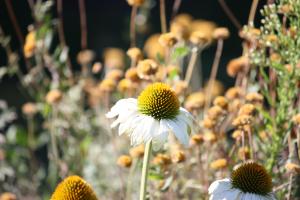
x=143 y=188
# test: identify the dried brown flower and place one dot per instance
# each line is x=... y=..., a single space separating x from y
x=124 y=161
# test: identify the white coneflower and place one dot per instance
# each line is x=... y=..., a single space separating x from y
x=152 y=116
x=249 y=181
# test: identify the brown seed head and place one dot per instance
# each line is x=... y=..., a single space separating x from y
x=153 y=48
x=147 y=69
x=124 y=161
x=221 y=101
x=135 y=54
x=237 y=65
x=178 y=156
x=221 y=33
x=107 y=85
x=135 y=2
x=218 y=164
x=8 y=196
x=29 y=109
x=167 y=39
x=53 y=96
x=115 y=74
x=85 y=57
x=138 y=151
x=114 y=58
x=162 y=159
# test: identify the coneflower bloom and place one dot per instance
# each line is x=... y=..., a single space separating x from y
x=249 y=181
x=152 y=116
x=73 y=188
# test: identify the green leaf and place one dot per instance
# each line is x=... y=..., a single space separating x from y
x=179 y=52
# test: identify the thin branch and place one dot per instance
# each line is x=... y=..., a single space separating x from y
x=83 y=25
x=132 y=26
x=214 y=71
x=176 y=7
x=230 y=15
x=163 y=20
x=253 y=11
x=61 y=33
x=14 y=21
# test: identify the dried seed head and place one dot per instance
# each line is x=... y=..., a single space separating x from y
x=244 y=153
x=132 y=75
x=135 y=2
x=180 y=88
x=29 y=109
x=85 y=57
x=162 y=159
x=247 y=109
x=210 y=137
x=237 y=134
x=107 y=85
x=153 y=47
x=115 y=74
x=167 y=39
x=196 y=139
x=8 y=196
x=147 y=69
x=207 y=27
x=180 y=26
x=286 y=8
x=209 y=123
x=221 y=33
x=233 y=93
x=125 y=85
x=296 y=119
x=216 y=90
x=135 y=54
x=218 y=164
x=275 y=57
x=124 y=161
x=97 y=67
x=221 y=101
x=178 y=156
x=199 y=38
x=242 y=120
x=292 y=167
x=215 y=112
x=195 y=101
x=30 y=44
x=53 y=96
x=114 y=58
x=254 y=98
x=138 y=151
x=237 y=65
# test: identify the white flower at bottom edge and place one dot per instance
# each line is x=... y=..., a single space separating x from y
x=141 y=127
x=247 y=176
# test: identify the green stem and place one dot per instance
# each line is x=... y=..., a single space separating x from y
x=145 y=170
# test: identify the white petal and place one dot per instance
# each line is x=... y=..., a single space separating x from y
x=219 y=186
x=231 y=194
x=122 y=104
x=179 y=130
x=127 y=125
x=251 y=196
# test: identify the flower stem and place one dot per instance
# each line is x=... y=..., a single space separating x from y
x=163 y=20
x=145 y=170
x=132 y=26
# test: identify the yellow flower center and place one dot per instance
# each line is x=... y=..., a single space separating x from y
x=73 y=188
x=158 y=101
x=252 y=178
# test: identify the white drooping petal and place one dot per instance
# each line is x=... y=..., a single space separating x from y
x=219 y=186
x=179 y=130
x=127 y=125
x=121 y=105
x=231 y=194
x=251 y=196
